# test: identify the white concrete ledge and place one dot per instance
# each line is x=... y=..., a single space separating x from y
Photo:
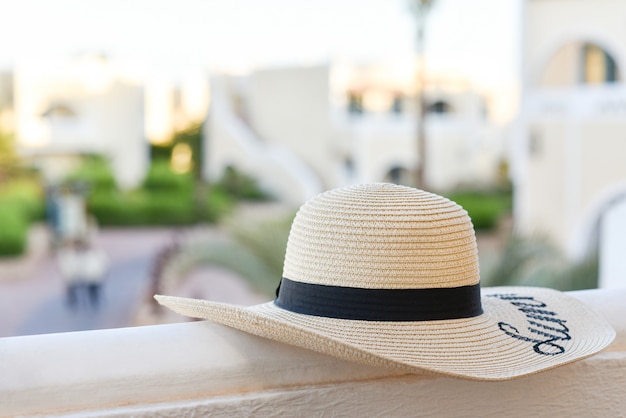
x=205 y=369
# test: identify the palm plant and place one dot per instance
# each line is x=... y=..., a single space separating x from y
x=253 y=249
x=534 y=261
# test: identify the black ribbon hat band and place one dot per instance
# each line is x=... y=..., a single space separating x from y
x=379 y=304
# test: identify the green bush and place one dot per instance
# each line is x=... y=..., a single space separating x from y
x=215 y=205
x=116 y=209
x=26 y=195
x=161 y=178
x=141 y=208
x=21 y=203
x=13 y=230
x=168 y=209
x=485 y=209
x=96 y=173
x=240 y=185
x=165 y=198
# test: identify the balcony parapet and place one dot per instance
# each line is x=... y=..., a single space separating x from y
x=205 y=369
x=581 y=102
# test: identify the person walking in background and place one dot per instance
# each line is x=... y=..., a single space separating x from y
x=67 y=259
x=83 y=267
x=94 y=267
x=66 y=213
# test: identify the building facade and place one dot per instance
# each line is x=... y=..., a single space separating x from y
x=568 y=160
x=304 y=130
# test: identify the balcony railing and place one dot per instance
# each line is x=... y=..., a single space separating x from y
x=204 y=369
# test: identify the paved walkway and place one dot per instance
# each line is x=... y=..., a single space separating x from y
x=32 y=291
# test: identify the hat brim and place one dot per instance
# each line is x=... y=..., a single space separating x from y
x=522 y=331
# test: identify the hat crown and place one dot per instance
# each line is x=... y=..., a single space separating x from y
x=382 y=236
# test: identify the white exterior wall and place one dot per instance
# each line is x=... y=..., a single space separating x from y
x=121 y=124
x=230 y=141
x=290 y=107
x=462 y=148
x=612 y=244
x=381 y=144
x=576 y=131
x=540 y=211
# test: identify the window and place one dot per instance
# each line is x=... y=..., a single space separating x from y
x=355 y=103
x=397 y=106
x=440 y=107
x=598 y=66
x=399 y=175
x=579 y=63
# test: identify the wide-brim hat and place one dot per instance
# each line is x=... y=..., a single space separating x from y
x=387 y=275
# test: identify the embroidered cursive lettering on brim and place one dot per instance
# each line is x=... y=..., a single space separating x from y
x=546 y=331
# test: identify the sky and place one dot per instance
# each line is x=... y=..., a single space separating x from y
x=478 y=39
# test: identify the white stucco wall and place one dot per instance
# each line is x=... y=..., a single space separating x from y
x=230 y=141
x=612 y=245
x=121 y=130
x=462 y=151
x=542 y=207
x=291 y=107
x=578 y=129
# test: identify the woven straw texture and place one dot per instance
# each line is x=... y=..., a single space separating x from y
x=382 y=236
x=393 y=237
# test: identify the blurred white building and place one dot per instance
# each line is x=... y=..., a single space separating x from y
x=569 y=159
x=90 y=104
x=80 y=106
x=304 y=130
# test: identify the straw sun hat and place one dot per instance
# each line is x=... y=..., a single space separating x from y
x=388 y=275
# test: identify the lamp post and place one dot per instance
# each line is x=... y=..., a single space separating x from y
x=420 y=9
